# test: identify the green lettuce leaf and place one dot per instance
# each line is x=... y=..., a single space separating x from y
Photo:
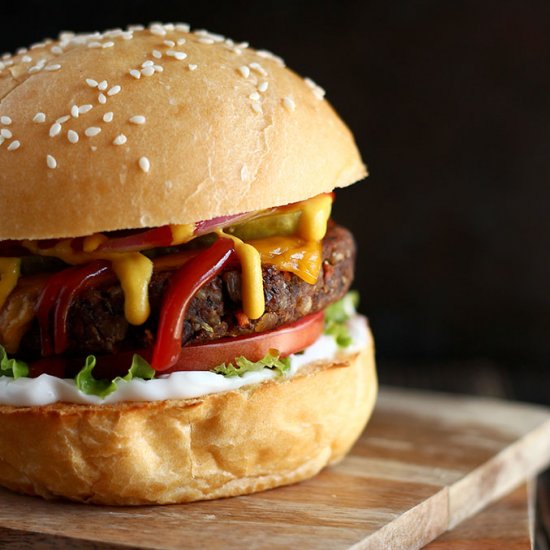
x=89 y=385
x=12 y=367
x=337 y=315
x=271 y=361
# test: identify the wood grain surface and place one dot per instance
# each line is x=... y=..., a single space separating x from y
x=425 y=463
x=504 y=525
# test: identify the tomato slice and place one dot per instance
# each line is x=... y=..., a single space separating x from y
x=286 y=340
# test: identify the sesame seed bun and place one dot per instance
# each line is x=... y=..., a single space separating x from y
x=221 y=445
x=132 y=129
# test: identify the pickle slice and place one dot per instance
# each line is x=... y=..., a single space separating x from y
x=284 y=223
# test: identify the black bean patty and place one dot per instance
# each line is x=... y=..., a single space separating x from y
x=97 y=323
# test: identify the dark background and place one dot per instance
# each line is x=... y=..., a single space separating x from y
x=449 y=103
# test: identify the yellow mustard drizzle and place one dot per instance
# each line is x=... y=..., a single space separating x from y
x=134 y=272
x=9 y=275
x=182 y=233
x=252 y=284
x=314 y=218
x=92 y=242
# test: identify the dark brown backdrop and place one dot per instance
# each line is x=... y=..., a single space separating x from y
x=450 y=104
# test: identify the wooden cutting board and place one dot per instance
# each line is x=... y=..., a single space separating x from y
x=426 y=462
x=507 y=523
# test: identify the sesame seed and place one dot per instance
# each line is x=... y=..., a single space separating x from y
x=39 y=118
x=244 y=173
x=74 y=111
x=108 y=44
x=205 y=40
x=2 y=140
x=85 y=108
x=170 y=43
x=245 y=71
x=91 y=82
x=177 y=55
x=159 y=31
x=262 y=87
x=102 y=98
x=180 y=42
x=121 y=139
x=258 y=68
x=6 y=120
x=192 y=66
x=26 y=59
x=135 y=73
x=137 y=119
x=256 y=106
x=72 y=136
x=156 y=54
x=114 y=90
x=5 y=133
x=92 y=131
x=108 y=117
x=268 y=55
x=318 y=92
x=14 y=145
x=55 y=128
x=147 y=63
x=57 y=50
x=144 y=164
x=210 y=35
x=102 y=85
x=182 y=27
x=289 y=104
x=158 y=68
x=94 y=45
x=51 y=162
x=148 y=71
x=54 y=67
x=63 y=119
x=254 y=96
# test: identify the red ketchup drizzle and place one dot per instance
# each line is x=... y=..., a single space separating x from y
x=58 y=294
x=184 y=284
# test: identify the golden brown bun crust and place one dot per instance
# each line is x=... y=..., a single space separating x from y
x=211 y=153
x=221 y=445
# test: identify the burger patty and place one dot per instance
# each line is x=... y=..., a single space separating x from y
x=97 y=323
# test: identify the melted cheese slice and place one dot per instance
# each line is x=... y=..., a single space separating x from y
x=303 y=258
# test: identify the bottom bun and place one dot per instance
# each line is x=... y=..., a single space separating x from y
x=220 y=445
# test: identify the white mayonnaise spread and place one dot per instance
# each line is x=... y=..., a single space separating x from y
x=47 y=389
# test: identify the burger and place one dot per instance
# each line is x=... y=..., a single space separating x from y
x=176 y=322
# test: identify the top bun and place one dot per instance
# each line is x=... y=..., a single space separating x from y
x=146 y=127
